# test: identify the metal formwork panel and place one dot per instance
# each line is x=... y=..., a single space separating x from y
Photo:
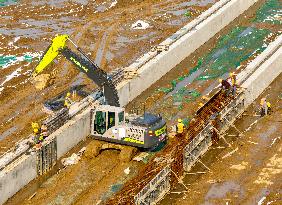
x=156 y=189
x=197 y=147
x=56 y=121
x=231 y=112
x=46 y=156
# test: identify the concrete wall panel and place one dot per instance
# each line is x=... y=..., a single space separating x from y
x=16 y=175
x=263 y=77
x=73 y=132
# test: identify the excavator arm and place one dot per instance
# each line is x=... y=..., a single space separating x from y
x=58 y=43
x=83 y=63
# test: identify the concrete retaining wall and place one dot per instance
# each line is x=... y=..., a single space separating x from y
x=16 y=175
x=73 y=132
x=23 y=170
x=157 y=67
x=263 y=77
x=271 y=48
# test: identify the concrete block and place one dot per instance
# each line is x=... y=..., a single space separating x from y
x=16 y=175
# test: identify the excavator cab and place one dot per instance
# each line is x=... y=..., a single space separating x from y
x=106 y=117
x=146 y=131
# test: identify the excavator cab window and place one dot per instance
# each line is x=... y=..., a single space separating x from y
x=120 y=118
x=111 y=119
x=100 y=122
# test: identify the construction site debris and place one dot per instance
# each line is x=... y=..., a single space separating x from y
x=127 y=171
x=140 y=25
x=73 y=159
x=241 y=166
x=41 y=81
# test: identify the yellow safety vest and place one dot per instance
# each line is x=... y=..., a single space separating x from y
x=180 y=128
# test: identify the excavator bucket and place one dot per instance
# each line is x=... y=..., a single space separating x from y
x=43 y=80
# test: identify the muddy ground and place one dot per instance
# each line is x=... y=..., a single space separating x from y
x=101 y=28
x=248 y=169
x=73 y=184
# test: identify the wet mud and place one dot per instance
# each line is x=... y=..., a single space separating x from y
x=184 y=106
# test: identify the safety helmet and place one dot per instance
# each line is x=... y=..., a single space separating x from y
x=179 y=120
x=68 y=94
x=231 y=74
x=34 y=125
x=35 y=130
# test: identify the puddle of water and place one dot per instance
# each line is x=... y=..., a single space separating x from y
x=8 y=60
x=265 y=136
x=220 y=190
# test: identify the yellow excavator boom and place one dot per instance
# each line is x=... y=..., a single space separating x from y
x=58 y=43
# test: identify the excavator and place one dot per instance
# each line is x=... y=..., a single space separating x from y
x=108 y=121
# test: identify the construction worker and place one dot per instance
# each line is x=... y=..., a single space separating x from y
x=179 y=127
x=268 y=108
x=35 y=128
x=44 y=131
x=263 y=107
x=233 y=78
x=68 y=100
x=225 y=86
x=233 y=82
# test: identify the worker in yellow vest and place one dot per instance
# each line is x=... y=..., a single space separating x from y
x=233 y=82
x=179 y=127
x=263 y=107
x=68 y=100
x=36 y=133
x=35 y=128
x=268 y=108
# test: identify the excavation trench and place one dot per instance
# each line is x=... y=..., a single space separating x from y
x=59 y=189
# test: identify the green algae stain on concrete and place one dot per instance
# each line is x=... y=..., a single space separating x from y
x=234 y=48
x=270 y=12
